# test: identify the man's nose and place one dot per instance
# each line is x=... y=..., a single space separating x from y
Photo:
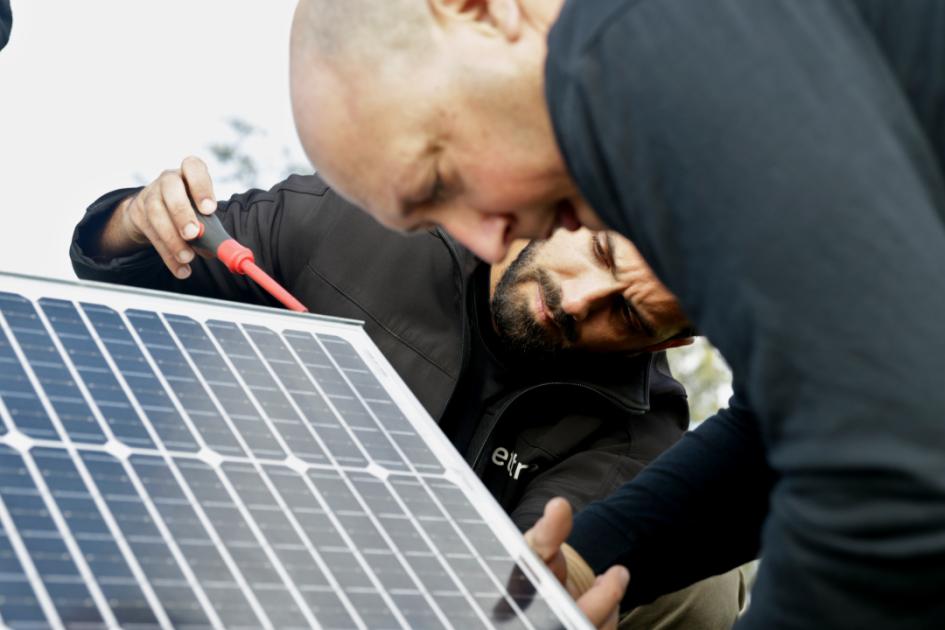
x=486 y=235
x=583 y=296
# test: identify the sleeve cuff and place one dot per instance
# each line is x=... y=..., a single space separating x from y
x=101 y=268
x=580 y=575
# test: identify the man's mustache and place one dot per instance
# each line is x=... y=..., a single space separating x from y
x=551 y=294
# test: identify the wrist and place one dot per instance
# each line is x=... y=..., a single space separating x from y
x=119 y=237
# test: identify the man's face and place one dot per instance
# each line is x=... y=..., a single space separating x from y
x=582 y=290
x=462 y=140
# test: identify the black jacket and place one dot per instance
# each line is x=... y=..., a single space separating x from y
x=577 y=429
x=779 y=164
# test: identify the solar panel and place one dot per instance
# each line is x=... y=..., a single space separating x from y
x=177 y=462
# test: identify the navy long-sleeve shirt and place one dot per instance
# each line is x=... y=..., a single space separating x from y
x=779 y=164
x=6 y=22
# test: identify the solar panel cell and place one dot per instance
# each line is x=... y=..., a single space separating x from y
x=228 y=392
x=159 y=556
x=48 y=369
x=107 y=393
x=272 y=401
x=184 y=383
x=94 y=538
x=135 y=369
x=44 y=542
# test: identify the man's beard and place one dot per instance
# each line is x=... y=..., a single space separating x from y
x=514 y=319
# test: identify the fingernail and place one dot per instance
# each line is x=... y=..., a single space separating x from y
x=191 y=231
x=208 y=206
x=624 y=576
x=185 y=256
x=183 y=272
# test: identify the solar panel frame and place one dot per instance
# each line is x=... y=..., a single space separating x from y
x=248 y=318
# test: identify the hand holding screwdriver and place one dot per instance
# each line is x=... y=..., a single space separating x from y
x=162 y=215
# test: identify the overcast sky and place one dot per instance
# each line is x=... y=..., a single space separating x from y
x=96 y=94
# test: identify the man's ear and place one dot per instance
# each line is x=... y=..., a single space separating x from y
x=504 y=16
x=676 y=342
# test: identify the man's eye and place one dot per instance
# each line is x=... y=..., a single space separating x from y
x=601 y=253
x=627 y=312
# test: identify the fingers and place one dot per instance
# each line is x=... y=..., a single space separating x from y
x=163 y=213
x=196 y=178
x=547 y=535
x=170 y=256
x=602 y=602
x=176 y=207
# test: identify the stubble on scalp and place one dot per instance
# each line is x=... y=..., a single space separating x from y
x=361 y=32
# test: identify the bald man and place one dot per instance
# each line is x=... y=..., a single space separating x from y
x=544 y=370
x=780 y=166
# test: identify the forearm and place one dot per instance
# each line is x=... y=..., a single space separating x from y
x=101 y=250
x=694 y=512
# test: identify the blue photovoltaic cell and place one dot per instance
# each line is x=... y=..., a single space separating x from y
x=93 y=537
x=209 y=473
x=150 y=549
x=230 y=394
x=274 y=403
x=381 y=404
x=304 y=394
x=19 y=395
x=184 y=383
x=375 y=442
x=203 y=556
x=44 y=543
x=98 y=376
x=294 y=548
x=244 y=548
x=18 y=602
x=50 y=370
x=141 y=379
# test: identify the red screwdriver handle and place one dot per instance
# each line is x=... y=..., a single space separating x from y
x=239 y=259
x=214 y=238
x=212 y=234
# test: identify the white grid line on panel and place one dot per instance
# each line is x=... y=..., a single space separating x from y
x=281 y=501
x=195 y=456
x=67 y=537
x=363 y=503
x=281 y=441
x=401 y=558
x=351 y=488
x=22 y=553
x=92 y=488
x=132 y=474
x=423 y=482
x=414 y=475
x=274 y=559
x=237 y=500
x=182 y=482
x=228 y=560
